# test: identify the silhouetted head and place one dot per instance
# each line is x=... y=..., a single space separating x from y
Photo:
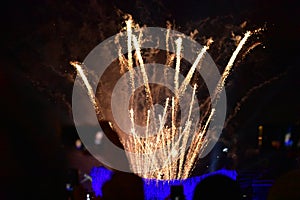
x=217 y=187
x=124 y=186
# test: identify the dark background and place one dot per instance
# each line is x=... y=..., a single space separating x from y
x=40 y=37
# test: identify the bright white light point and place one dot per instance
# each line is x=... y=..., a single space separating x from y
x=225 y=149
x=110 y=124
x=98 y=137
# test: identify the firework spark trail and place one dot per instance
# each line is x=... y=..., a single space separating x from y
x=142 y=156
x=163 y=121
x=170 y=142
x=193 y=152
x=194 y=33
x=132 y=130
x=173 y=118
x=164 y=116
x=64 y=75
x=138 y=140
x=173 y=152
x=148 y=147
x=165 y=132
x=225 y=74
x=250 y=48
x=177 y=67
x=150 y=160
x=122 y=60
x=190 y=74
x=147 y=123
x=175 y=148
x=90 y=91
x=145 y=78
x=142 y=66
x=183 y=138
x=170 y=56
x=167 y=42
x=174 y=104
x=247 y=95
x=186 y=134
x=129 y=47
x=232 y=59
x=139 y=42
x=192 y=102
x=138 y=158
x=141 y=62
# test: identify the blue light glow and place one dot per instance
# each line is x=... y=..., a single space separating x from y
x=156 y=189
x=99 y=176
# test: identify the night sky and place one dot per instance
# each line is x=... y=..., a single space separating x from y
x=40 y=37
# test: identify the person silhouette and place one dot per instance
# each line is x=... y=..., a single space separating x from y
x=217 y=186
x=123 y=186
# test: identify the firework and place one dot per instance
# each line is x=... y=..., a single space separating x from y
x=176 y=146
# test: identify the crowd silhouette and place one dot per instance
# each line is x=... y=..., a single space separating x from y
x=124 y=185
